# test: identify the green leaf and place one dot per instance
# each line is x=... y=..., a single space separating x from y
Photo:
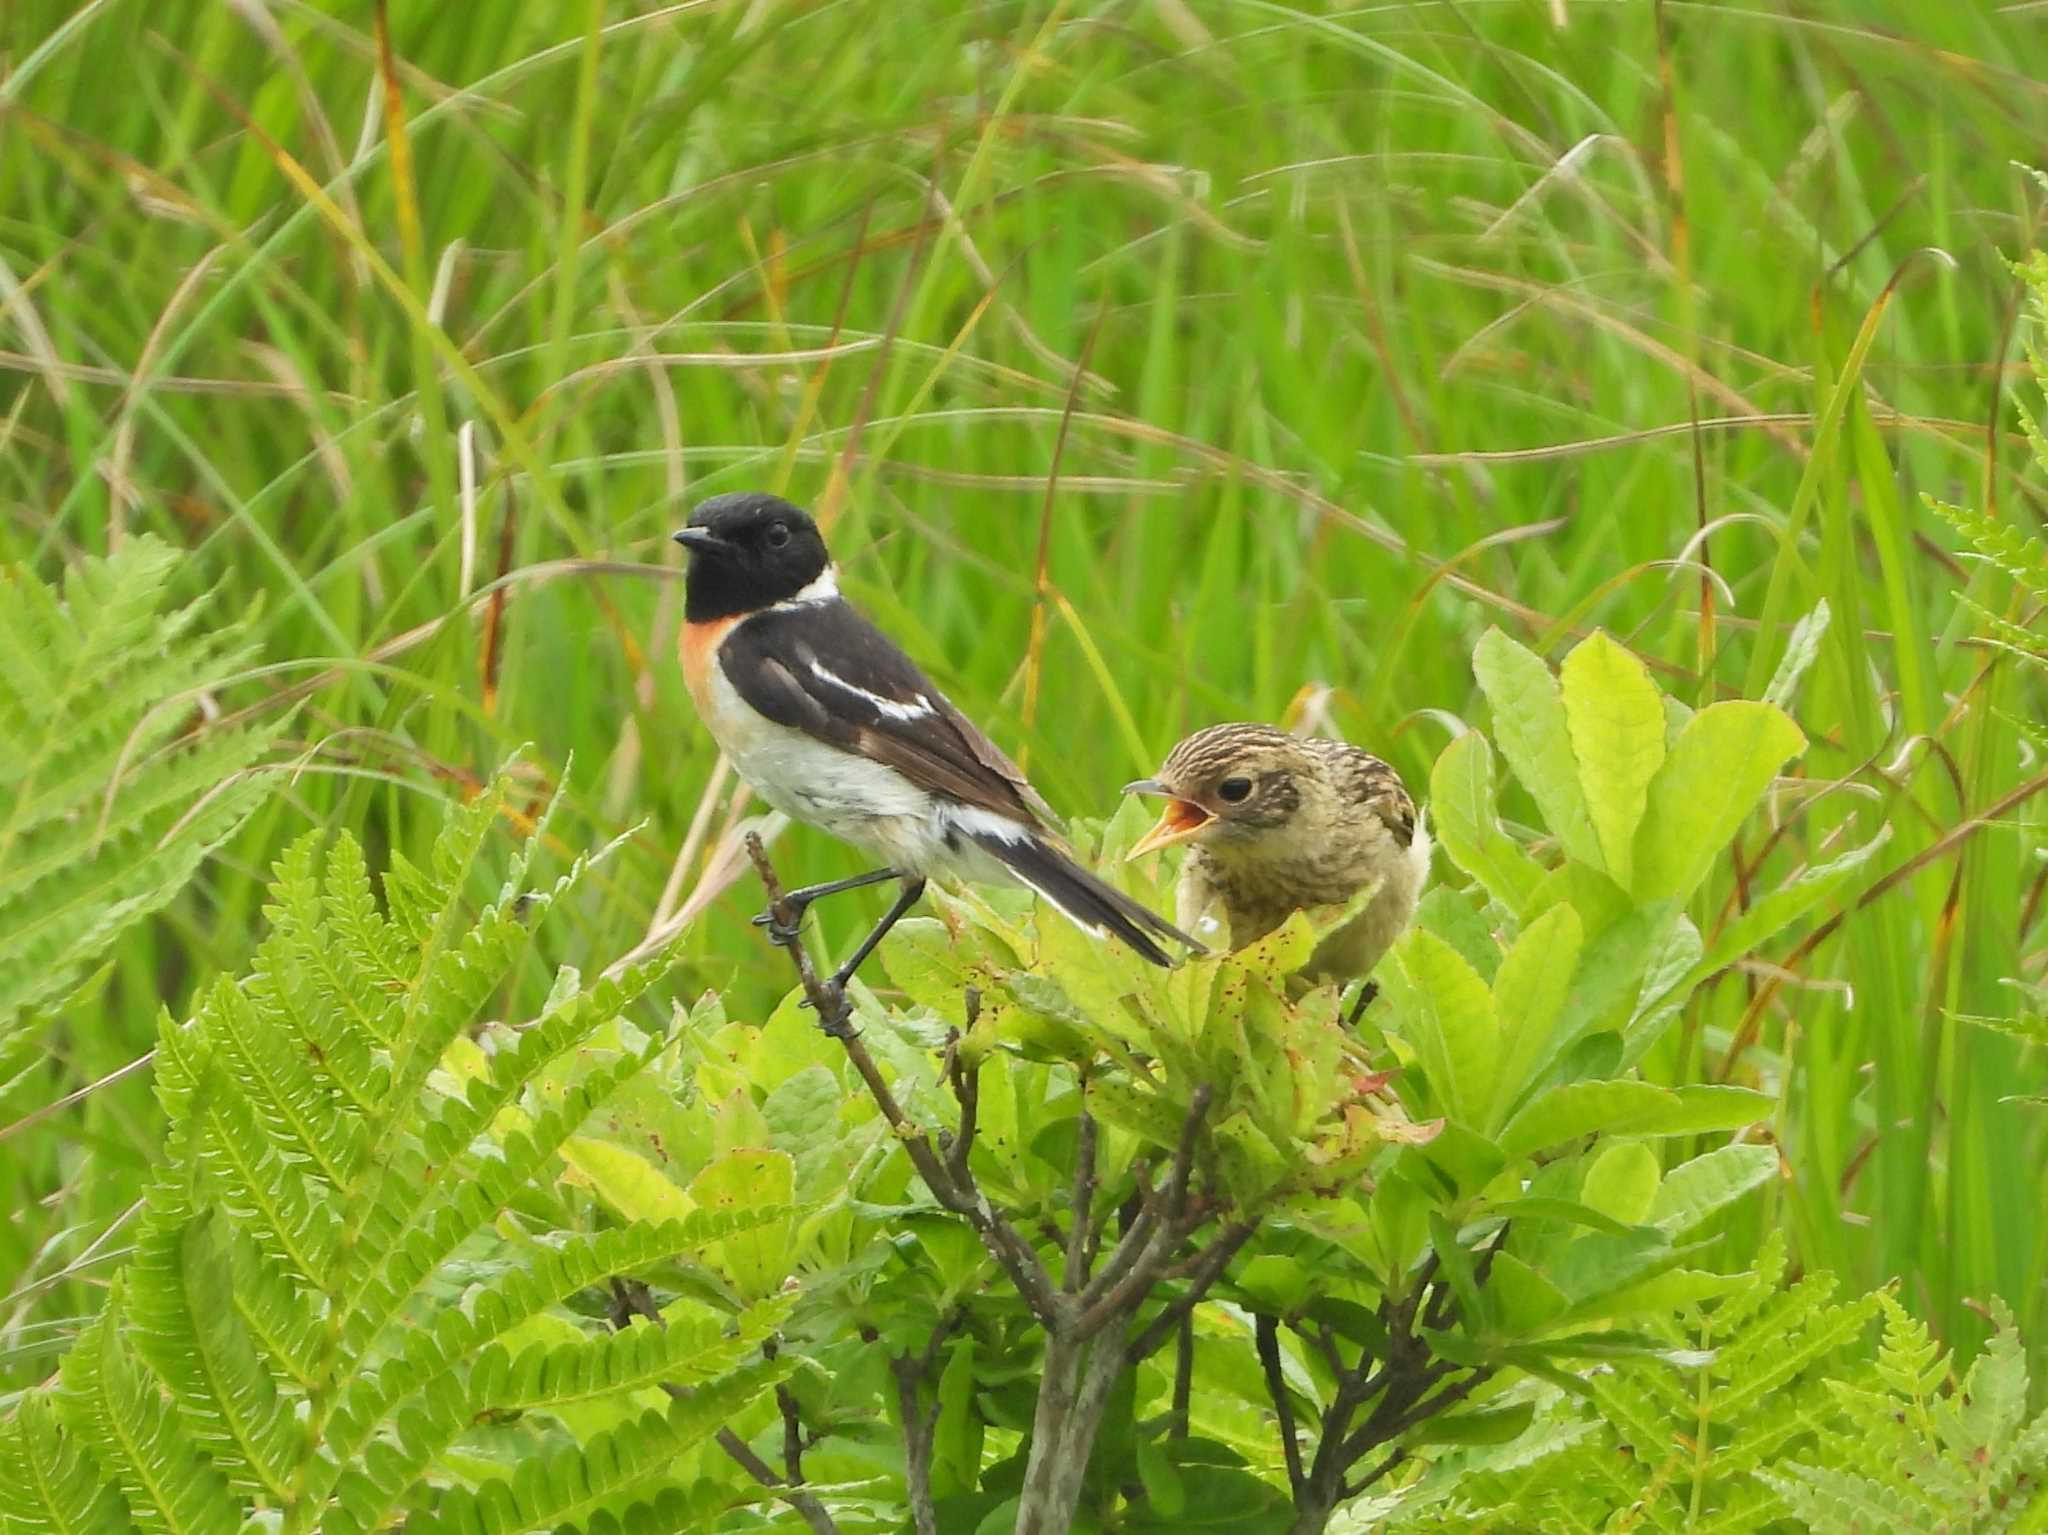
x=1695 y=1191
x=626 y=1181
x=1630 y=1107
x=1616 y=720
x=751 y=1180
x=1494 y=1426
x=1569 y=1212
x=1528 y=996
x=1275 y=1281
x=1622 y=1181
x=957 y=1432
x=1165 y=1493
x=1725 y=759
x=1524 y=1302
x=1458 y=918
x=1446 y=1013
x=1220 y=1498
x=1530 y=725
x=172 y=1486
x=1610 y=975
x=1461 y=809
x=923 y=960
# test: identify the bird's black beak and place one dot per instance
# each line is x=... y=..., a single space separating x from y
x=700 y=540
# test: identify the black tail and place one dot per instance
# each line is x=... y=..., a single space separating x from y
x=1088 y=901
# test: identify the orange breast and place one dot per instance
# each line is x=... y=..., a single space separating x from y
x=697 y=645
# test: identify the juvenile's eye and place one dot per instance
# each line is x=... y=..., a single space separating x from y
x=1234 y=789
x=777 y=535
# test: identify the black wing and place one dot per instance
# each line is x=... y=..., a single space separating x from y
x=825 y=670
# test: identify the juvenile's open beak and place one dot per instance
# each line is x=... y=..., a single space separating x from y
x=1183 y=818
x=699 y=540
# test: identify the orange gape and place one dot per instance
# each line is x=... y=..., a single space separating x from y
x=697 y=645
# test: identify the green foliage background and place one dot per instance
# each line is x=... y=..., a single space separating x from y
x=1396 y=322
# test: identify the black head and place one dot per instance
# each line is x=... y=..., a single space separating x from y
x=748 y=550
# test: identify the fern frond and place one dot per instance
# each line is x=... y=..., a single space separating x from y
x=286 y=1320
x=431 y=1195
x=356 y=976
x=300 y=1112
x=2000 y=543
x=1829 y=1498
x=640 y=1356
x=224 y=1391
x=430 y=1354
x=1795 y=1331
x=415 y=1242
x=50 y=1482
x=87 y=701
x=1933 y=1453
x=671 y=1512
x=433 y=1394
x=276 y=1199
x=545 y=1492
x=172 y=1486
x=1682 y=1449
x=379 y=951
x=1910 y=1364
x=301 y=1334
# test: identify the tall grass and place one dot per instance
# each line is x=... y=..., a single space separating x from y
x=1399 y=321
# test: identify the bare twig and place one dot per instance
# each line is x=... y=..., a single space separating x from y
x=1208 y=1269
x=1161 y=1225
x=792 y=1436
x=1129 y=1248
x=966 y=1085
x=919 y=1433
x=1136 y=1263
x=1078 y=1222
x=958 y=1193
x=1354 y=1489
x=1183 y=1378
x=1268 y=1336
x=1184 y=1154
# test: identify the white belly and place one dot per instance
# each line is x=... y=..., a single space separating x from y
x=862 y=802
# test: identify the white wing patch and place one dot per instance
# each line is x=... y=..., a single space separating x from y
x=919 y=708
x=975 y=821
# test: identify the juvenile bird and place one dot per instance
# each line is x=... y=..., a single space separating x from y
x=1277 y=822
x=834 y=726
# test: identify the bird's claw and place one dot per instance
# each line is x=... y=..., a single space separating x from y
x=782 y=934
x=838 y=1023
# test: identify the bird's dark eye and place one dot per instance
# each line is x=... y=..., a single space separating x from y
x=1234 y=789
x=777 y=534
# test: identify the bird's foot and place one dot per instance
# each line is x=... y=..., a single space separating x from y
x=783 y=935
x=1366 y=993
x=835 y=1018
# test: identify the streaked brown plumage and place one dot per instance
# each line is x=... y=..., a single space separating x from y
x=1275 y=823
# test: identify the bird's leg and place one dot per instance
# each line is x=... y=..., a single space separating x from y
x=905 y=899
x=799 y=901
x=1366 y=993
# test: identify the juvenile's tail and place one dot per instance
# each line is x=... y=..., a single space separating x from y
x=1088 y=901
